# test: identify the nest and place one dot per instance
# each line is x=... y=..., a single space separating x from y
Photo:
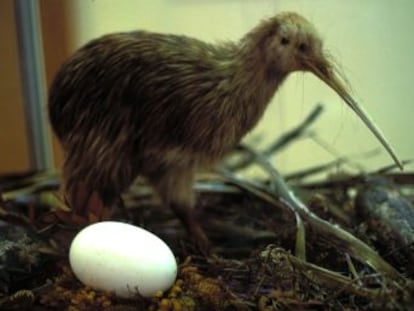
x=281 y=243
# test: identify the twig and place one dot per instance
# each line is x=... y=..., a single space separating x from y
x=320 y=275
x=353 y=181
x=393 y=166
x=351 y=267
x=314 y=170
x=338 y=236
x=281 y=142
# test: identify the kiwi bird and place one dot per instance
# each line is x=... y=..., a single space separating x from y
x=161 y=105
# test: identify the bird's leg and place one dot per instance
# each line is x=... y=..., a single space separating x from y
x=87 y=184
x=76 y=191
x=174 y=186
x=86 y=200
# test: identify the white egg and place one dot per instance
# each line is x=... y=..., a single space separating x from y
x=122 y=258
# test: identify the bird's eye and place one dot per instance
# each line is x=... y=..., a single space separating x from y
x=303 y=47
x=284 y=41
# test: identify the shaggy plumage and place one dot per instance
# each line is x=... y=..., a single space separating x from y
x=161 y=105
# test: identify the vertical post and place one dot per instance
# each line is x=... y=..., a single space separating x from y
x=34 y=83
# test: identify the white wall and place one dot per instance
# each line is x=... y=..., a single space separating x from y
x=371 y=39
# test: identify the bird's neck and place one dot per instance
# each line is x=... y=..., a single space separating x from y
x=253 y=85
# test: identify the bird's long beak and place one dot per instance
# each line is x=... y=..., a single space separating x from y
x=324 y=70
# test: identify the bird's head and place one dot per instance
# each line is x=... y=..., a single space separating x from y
x=289 y=42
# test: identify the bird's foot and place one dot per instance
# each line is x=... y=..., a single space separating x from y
x=201 y=240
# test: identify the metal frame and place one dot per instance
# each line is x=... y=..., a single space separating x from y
x=34 y=83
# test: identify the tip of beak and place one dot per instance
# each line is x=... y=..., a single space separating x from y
x=400 y=164
x=327 y=73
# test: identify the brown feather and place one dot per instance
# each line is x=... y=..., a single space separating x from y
x=160 y=105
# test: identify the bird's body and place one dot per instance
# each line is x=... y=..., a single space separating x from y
x=165 y=92
x=157 y=100
x=161 y=105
